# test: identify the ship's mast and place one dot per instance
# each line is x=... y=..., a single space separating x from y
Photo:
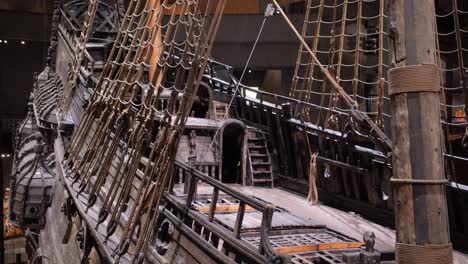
x=418 y=172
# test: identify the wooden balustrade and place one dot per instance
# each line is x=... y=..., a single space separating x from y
x=245 y=203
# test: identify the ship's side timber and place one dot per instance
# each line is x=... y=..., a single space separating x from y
x=183 y=243
x=58 y=240
x=360 y=175
x=52 y=236
x=361 y=172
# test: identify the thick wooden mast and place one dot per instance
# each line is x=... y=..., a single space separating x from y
x=156 y=43
x=418 y=172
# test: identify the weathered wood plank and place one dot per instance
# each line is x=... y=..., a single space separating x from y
x=421 y=209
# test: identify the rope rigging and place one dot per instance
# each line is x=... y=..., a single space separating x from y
x=269 y=11
x=451 y=53
x=130 y=106
x=358 y=116
x=353 y=44
x=86 y=32
x=145 y=104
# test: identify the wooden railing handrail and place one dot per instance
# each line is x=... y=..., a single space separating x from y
x=266 y=209
x=69 y=22
x=277 y=97
x=254 y=203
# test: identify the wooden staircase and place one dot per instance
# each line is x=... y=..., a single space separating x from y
x=219 y=110
x=259 y=159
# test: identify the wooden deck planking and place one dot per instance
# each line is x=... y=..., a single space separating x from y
x=252 y=220
x=346 y=223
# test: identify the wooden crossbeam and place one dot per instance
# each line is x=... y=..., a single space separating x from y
x=321 y=246
x=224 y=208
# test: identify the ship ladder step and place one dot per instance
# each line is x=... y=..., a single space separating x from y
x=220 y=110
x=259 y=159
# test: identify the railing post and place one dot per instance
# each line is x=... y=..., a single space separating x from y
x=286 y=110
x=186 y=177
x=230 y=87
x=265 y=231
x=191 y=191
x=175 y=172
x=214 y=201
x=265 y=245
x=239 y=220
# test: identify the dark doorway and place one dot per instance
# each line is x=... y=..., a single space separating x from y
x=201 y=102
x=233 y=135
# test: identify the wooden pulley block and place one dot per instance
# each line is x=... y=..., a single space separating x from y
x=111 y=229
x=123 y=247
x=82 y=188
x=102 y=215
x=76 y=179
x=91 y=200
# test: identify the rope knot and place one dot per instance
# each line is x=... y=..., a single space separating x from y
x=178 y=129
x=312 y=198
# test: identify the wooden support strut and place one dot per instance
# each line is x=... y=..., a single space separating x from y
x=223 y=208
x=320 y=246
x=418 y=168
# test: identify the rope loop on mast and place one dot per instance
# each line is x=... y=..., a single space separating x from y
x=417 y=181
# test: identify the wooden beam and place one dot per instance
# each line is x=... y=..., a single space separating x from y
x=420 y=209
x=212 y=208
x=224 y=208
x=321 y=246
x=191 y=190
x=157 y=41
x=239 y=220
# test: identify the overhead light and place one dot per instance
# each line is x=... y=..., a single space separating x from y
x=250 y=71
x=5 y=41
x=23 y=42
x=8 y=155
x=3 y=155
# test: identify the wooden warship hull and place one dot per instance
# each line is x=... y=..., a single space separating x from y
x=194 y=237
x=191 y=235
x=188 y=243
x=259 y=214
x=58 y=241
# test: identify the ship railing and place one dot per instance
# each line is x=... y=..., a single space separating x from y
x=231 y=238
x=274 y=100
x=67 y=23
x=254 y=109
x=280 y=102
x=68 y=28
x=265 y=101
x=233 y=87
x=88 y=62
x=208 y=168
